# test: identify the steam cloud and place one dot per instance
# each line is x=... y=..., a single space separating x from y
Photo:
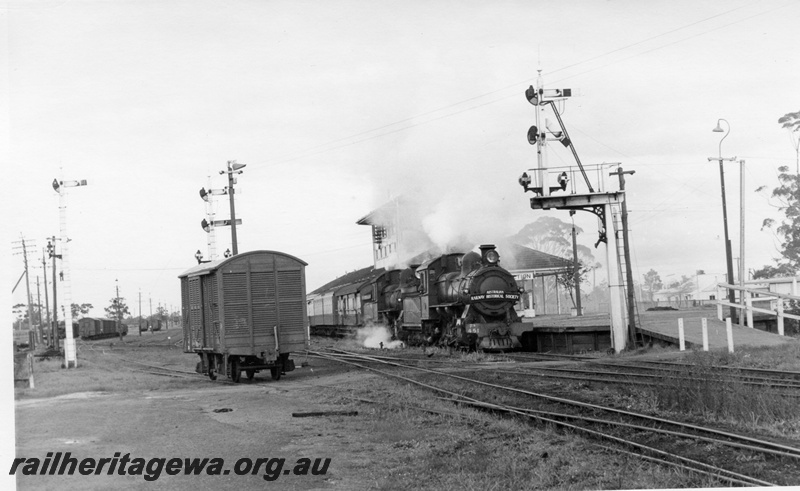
x=373 y=336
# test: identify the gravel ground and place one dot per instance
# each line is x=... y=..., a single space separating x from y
x=208 y=420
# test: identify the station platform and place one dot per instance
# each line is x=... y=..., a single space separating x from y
x=663 y=325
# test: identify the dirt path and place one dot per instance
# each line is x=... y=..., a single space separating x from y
x=247 y=421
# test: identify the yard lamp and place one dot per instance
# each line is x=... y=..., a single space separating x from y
x=728 y=254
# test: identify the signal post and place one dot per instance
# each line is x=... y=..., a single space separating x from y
x=598 y=202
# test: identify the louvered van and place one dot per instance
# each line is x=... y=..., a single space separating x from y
x=245 y=313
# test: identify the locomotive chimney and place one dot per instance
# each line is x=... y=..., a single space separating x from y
x=489 y=254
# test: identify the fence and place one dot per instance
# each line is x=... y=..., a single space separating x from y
x=748 y=296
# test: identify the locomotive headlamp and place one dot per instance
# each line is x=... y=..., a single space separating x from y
x=492 y=257
x=524 y=180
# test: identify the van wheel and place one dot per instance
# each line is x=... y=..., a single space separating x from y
x=236 y=372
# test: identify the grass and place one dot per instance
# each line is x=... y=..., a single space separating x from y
x=473 y=450
x=462 y=448
x=702 y=389
x=101 y=368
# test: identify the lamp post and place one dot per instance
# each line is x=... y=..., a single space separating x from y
x=728 y=254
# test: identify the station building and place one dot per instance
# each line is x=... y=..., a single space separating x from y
x=399 y=241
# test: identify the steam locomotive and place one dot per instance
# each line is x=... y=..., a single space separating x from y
x=458 y=300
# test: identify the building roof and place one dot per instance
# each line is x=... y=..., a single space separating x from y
x=379 y=215
x=517 y=257
x=358 y=276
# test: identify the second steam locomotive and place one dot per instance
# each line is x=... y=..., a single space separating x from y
x=459 y=300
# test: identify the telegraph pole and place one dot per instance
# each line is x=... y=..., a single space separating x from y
x=39 y=304
x=576 y=270
x=627 y=251
x=51 y=248
x=53 y=341
x=119 y=311
x=39 y=333
x=140 y=312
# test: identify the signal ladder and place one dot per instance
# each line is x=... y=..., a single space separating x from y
x=619 y=244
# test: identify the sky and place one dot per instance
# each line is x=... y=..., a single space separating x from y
x=336 y=107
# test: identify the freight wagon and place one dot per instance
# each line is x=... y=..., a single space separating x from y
x=245 y=313
x=97 y=328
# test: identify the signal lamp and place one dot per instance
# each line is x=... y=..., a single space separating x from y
x=533 y=135
x=532 y=95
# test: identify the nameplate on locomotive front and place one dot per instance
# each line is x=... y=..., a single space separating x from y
x=494 y=295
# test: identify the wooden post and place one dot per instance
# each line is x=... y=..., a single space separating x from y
x=780 y=316
x=681 y=339
x=720 y=297
x=748 y=301
x=544 y=297
x=729 y=329
x=31 y=384
x=705 y=333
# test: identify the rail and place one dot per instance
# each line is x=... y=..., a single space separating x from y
x=748 y=296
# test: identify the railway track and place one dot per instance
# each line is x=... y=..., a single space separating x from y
x=621 y=430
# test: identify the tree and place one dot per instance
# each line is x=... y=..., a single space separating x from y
x=20 y=311
x=554 y=236
x=788 y=230
x=791 y=121
x=83 y=308
x=652 y=283
x=682 y=287
x=118 y=308
x=567 y=279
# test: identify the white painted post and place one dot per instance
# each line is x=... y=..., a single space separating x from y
x=720 y=297
x=681 y=338
x=729 y=330
x=30 y=371
x=780 y=316
x=619 y=328
x=749 y=304
x=705 y=333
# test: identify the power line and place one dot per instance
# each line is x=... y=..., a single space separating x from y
x=326 y=147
